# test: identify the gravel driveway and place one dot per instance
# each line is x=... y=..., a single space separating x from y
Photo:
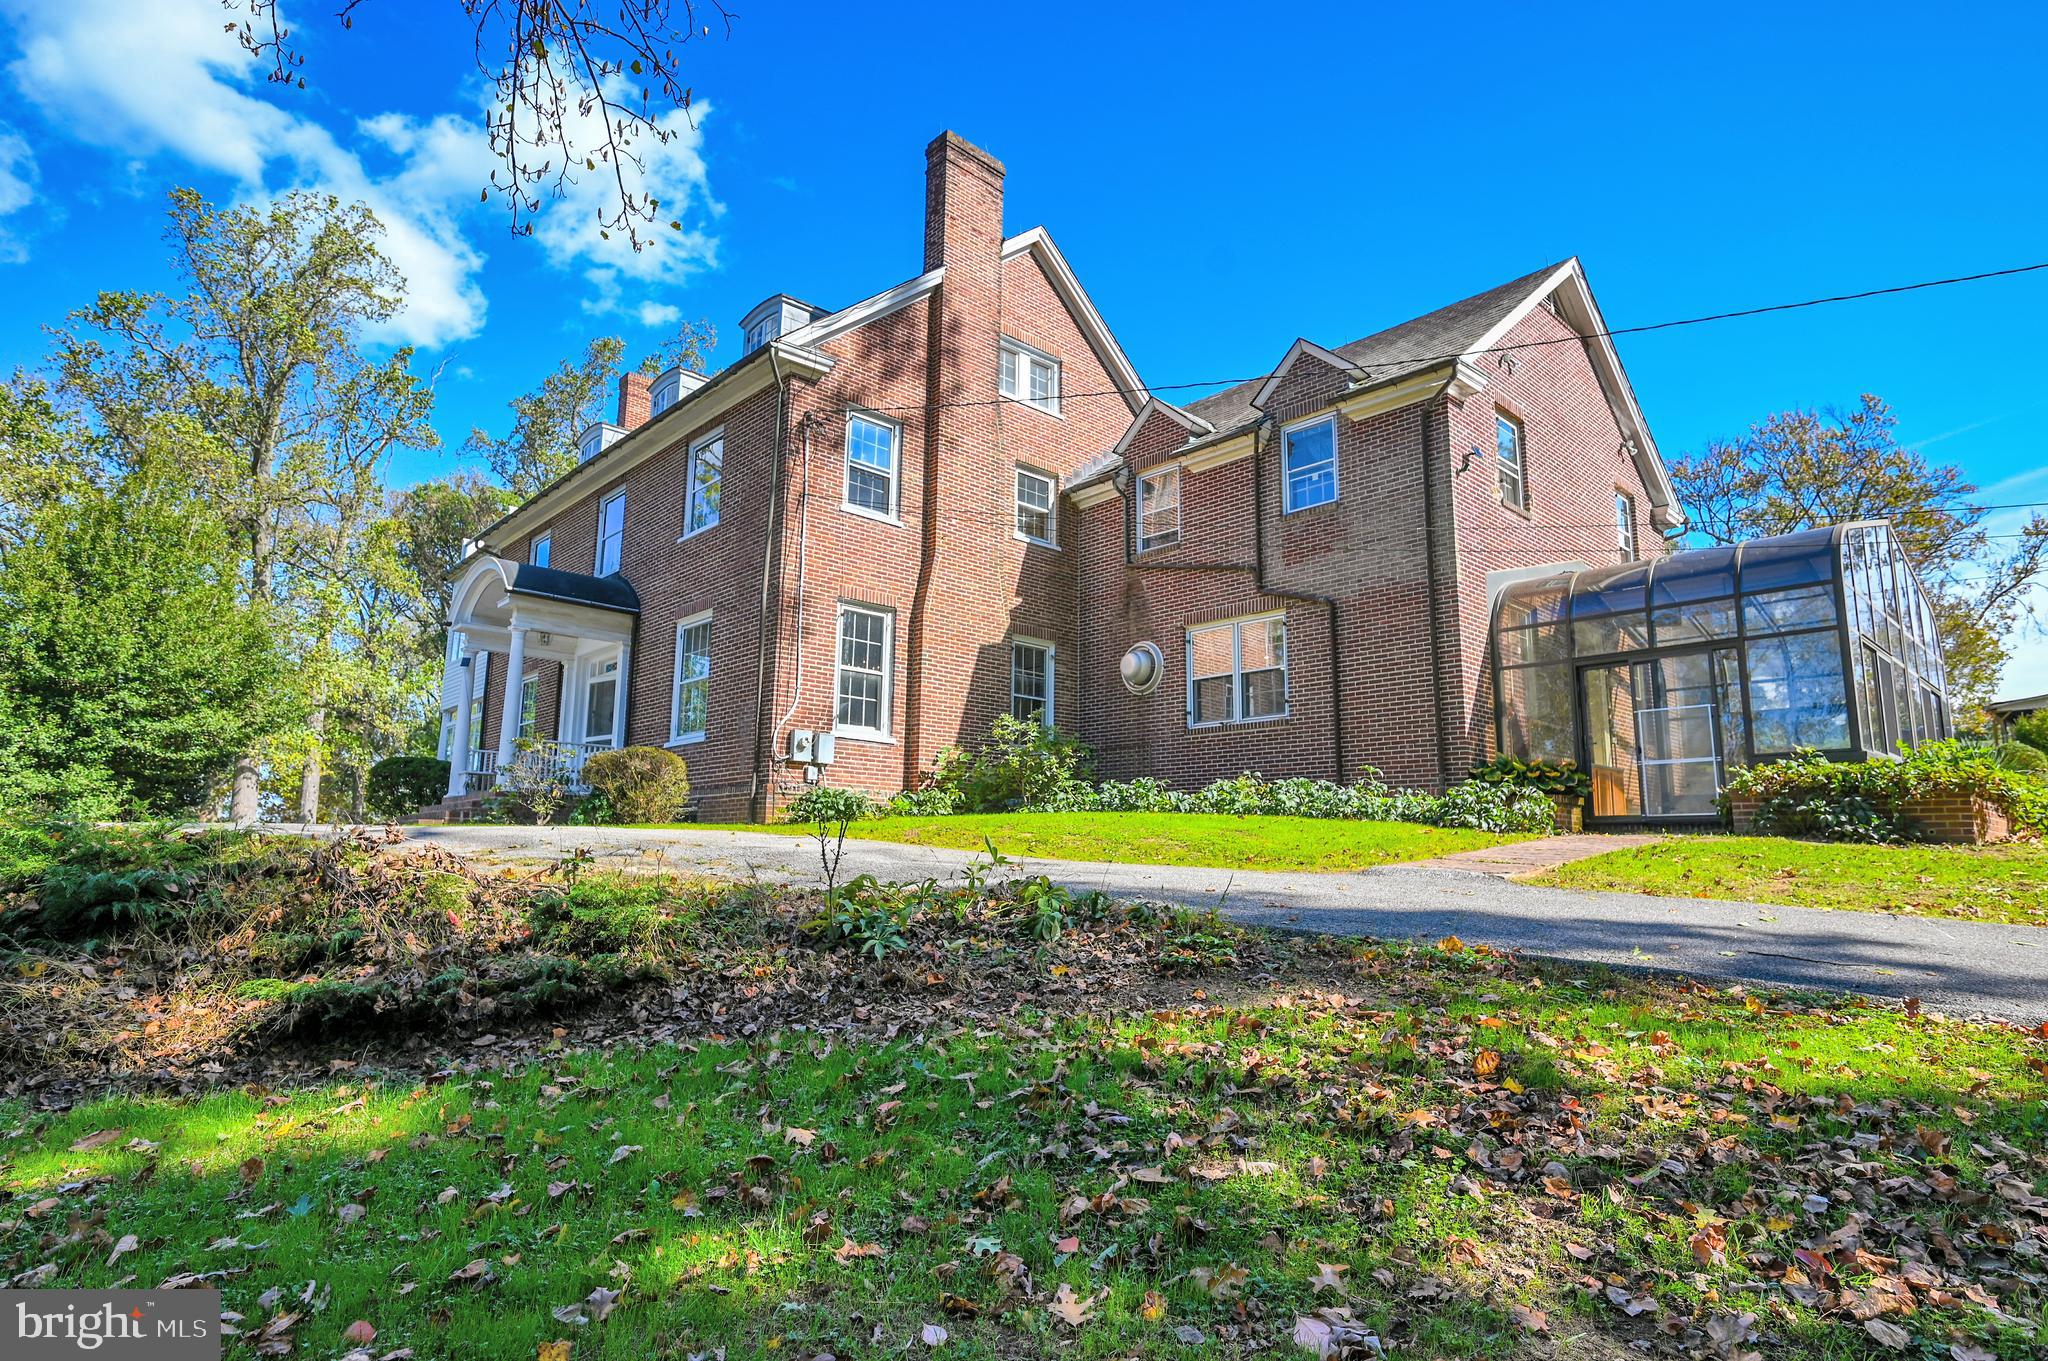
x=1964 y=968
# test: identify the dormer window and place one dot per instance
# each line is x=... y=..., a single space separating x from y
x=596 y=439
x=1030 y=376
x=773 y=319
x=763 y=331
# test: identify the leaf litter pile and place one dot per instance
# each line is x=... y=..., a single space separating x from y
x=393 y=1107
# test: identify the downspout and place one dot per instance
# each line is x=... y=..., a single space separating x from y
x=1436 y=665
x=803 y=530
x=756 y=804
x=1257 y=570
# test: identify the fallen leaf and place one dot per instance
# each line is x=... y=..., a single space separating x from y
x=97 y=1139
x=1887 y=1334
x=934 y=1335
x=1068 y=1307
x=129 y=1243
x=621 y=1153
x=1329 y=1276
x=361 y=1333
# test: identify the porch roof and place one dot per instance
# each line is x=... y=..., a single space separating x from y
x=552 y=583
x=493 y=595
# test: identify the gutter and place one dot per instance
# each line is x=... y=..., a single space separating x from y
x=756 y=805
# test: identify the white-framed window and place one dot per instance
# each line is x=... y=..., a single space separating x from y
x=1625 y=525
x=529 y=708
x=866 y=650
x=542 y=548
x=1159 y=508
x=1507 y=443
x=707 y=474
x=1237 y=671
x=611 y=533
x=1035 y=493
x=601 y=703
x=1309 y=458
x=763 y=331
x=871 y=465
x=1030 y=376
x=690 y=700
x=1031 y=680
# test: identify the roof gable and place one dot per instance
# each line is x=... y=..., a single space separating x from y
x=1304 y=349
x=1194 y=425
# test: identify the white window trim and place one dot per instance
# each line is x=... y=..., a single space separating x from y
x=1625 y=525
x=697 y=446
x=1052 y=672
x=577 y=678
x=530 y=681
x=1521 y=465
x=1052 y=506
x=1180 y=494
x=1287 y=433
x=675 y=685
x=1237 y=626
x=597 y=554
x=533 y=550
x=885 y=732
x=1025 y=354
x=846 y=502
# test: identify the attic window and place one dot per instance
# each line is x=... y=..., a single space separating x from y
x=1030 y=376
x=764 y=330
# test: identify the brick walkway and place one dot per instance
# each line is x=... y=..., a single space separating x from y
x=1522 y=859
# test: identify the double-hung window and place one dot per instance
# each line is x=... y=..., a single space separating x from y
x=529 y=708
x=863 y=675
x=1030 y=376
x=1031 y=675
x=707 y=471
x=871 y=465
x=1237 y=671
x=1159 y=509
x=611 y=533
x=690 y=703
x=1625 y=525
x=542 y=547
x=1034 y=505
x=1310 y=459
x=1507 y=443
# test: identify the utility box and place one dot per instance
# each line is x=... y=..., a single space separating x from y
x=802 y=743
x=823 y=749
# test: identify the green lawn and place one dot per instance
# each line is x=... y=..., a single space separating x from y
x=1474 y=1157
x=2007 y=883
x=1204 y=839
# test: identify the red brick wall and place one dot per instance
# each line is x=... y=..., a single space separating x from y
x=1572 y=451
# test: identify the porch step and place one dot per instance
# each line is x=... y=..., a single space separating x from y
x=462 y=808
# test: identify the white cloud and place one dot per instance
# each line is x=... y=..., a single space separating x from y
x=658 y=313
x=17 y=190
x=163 y=78
x=570 y=232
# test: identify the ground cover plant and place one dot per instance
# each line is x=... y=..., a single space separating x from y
x=991 y=1119
x=2006 y=883
x=1225 y=841
x=1807 y=795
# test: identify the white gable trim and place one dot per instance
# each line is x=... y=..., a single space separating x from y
x=1575 y=301
x=1194 y=425
x=1296 y=351
x=1121 y=371
x=867 y=310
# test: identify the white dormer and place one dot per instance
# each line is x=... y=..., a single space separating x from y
x=596 y=439
x=672 y=386
x=777 y=316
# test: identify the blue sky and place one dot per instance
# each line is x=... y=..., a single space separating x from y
x=1222 y=179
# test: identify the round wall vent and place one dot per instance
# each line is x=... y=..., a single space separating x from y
x=1141 y=669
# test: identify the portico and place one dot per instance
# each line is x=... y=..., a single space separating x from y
x=526 y=613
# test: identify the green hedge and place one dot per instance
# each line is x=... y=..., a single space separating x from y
x=1809 y=795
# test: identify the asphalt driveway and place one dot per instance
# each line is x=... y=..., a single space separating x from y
x=1963 y=968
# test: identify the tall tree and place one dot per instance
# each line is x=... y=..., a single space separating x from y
x=578 y=87
x=41 y=460
x=541 y=445
x=260 y=353
x=1802 y=469
x=133 y=670
x=690 y=347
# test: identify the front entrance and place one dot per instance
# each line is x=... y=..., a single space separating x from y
x=1655 y=733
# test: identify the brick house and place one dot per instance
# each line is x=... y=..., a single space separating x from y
x=889 y=523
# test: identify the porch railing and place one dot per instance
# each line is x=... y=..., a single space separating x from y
x=561 y=761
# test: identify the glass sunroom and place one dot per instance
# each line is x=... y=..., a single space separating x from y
x=1658 y=676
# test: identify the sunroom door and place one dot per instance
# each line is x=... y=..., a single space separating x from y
x=1654 y=732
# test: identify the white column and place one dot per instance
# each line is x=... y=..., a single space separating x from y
x=458 y=745
x=508 y=720
x=619 y=698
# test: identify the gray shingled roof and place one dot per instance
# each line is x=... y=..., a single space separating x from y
x=1399 y=350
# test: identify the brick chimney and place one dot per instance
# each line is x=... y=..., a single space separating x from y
x=634 y=402
x=962 y=454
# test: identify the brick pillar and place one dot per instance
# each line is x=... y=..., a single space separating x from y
x=634 y=402
x=963 y=231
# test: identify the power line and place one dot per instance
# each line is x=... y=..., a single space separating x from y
x=1519 y=345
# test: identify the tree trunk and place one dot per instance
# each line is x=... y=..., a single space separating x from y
x=309 y=778
x=359 y=792
x=245 y=802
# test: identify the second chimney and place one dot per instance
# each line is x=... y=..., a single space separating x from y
x=963 y=204
x=635 y=405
